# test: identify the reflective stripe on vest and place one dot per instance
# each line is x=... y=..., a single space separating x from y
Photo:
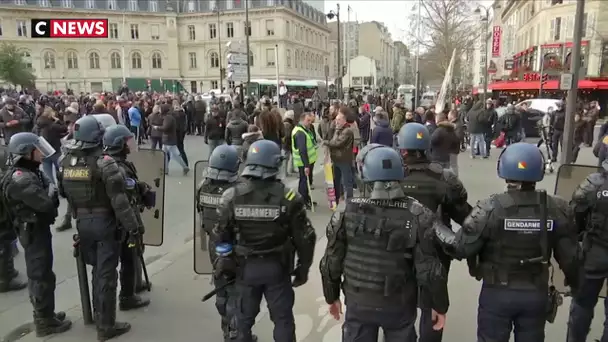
x=310 y=147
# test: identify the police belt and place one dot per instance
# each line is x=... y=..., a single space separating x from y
x=500 y=275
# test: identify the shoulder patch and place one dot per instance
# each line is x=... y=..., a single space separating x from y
x=290 y=195
x=17 y=173
x=107 y=157
x=526 y=225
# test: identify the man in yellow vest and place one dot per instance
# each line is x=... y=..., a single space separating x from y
x=304 y=152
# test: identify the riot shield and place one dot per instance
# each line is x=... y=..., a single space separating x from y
x=202 y=258
x=150 y=166
x=569 y=177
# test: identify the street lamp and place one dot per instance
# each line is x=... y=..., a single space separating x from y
x=485 y=12
x=331 y=15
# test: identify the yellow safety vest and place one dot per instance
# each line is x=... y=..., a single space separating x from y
x=310 y=147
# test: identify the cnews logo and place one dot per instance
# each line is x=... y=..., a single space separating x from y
x=69 y=28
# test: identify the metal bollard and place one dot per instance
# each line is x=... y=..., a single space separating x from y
x=83 y=283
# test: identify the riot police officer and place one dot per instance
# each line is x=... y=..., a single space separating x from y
x=8 y=274
x=260 y=224
x=118 y=142
x=505 y=234
x=436 y=188
x=97 y=190
x=221 y=174
x=382 y=259
x=32 y=202
x=589 y=202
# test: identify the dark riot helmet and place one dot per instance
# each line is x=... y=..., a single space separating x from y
x=263 y=160
x=88 y=132
x=383 y=168
x=414 y=136
x=116 y=137
x=223 y=164
x=521 y=162
x=24 y=143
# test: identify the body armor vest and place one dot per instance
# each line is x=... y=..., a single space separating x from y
x=598 y=230
x=82 y=183
x=209 y=196
x=515 y=239
x=423 y=182
x=379 y=250
x=261 y=226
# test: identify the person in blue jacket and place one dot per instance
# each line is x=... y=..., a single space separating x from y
x=135 y=120
x=381 y=133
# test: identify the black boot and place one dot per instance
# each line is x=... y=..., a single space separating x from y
x=106 y=333
x=142 y=288
x=65 y=224
x=60 y=315
x=49 y=326
x=132 y=302
x=12 y=285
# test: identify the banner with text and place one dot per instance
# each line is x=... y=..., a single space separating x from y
x=496 y=35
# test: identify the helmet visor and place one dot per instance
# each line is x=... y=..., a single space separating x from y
x=105 y=120
x=44 y=147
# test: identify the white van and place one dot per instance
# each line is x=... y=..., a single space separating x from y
x=428 y=99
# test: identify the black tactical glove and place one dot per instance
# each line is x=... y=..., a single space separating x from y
x=133 y=239
x=300 y=277
x=225 y=267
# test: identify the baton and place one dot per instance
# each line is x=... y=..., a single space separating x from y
x=217 y=289
x=144 y=268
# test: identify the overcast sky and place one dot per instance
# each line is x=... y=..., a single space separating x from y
x=394 y=14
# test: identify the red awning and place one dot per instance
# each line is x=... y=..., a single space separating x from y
x=550 y=85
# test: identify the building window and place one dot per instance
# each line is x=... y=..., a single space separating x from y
x=191 y=6
x=133 y=5
x=193 y=88
x=20 y=2
x=297 y=58
x=136 y=60
x=270 y=57
x=214 y=85
x=191 y=32
x=247 y=27
x=270 y=27
x=114 y=30
x=134 y=31
x=153 y=6
x=555 y=29
x=214 y=60
x=72 y=60
x=44 y=3
x=193 y=61
x=21 y=28
x=90 y=4
x=231 y=85
x=49 y=60
x=302 y=60
x=115 y=60
x=27 y=59
x=155 y=32
x=112 y=4
x=212 y=31
x=288 y=58
x=66 y=3
x=229 y=30
x=157 y=61
x=94 y=60
x=588 y=25
x=0 y=28
x=287 y=29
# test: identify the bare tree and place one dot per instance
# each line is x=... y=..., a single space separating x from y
x=445 y=25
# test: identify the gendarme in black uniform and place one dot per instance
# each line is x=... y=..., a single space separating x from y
x=32 y=202
x=96 y=189
x=504 y=233
x=266 y=222
x=118 y=141
x=435 y=188
x=378 y=254
x=221 y=175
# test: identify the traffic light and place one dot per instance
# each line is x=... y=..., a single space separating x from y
x=544 y=79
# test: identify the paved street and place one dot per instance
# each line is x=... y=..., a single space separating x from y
x=176 y=312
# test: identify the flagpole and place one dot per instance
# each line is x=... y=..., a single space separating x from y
x=122 y=50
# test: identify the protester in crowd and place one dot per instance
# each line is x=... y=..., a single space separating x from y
x=253 y=134
x=169 y=138
x=13 y=119
x=181 y=122
x=382 y=133
x=288 y=126
x=444 y=142
x=52 y=129
x=215 y=128
x=341 y=151
x=156 y=136
x=271 y=126
x=364 y=124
